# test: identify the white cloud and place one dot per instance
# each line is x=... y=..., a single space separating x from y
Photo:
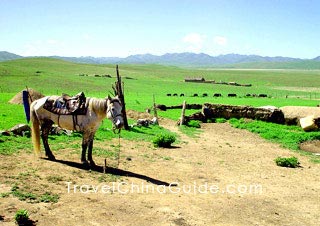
x=195 y=41
x=52 y=41
x=220 y=40
x=194 y=38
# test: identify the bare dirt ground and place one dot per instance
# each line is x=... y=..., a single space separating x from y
x=247 y=188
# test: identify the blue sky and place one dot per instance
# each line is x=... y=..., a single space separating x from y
x=121 y=27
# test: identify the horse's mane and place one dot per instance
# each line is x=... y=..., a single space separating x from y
x=97 y=105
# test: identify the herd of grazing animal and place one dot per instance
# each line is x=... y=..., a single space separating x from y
x=216 y=95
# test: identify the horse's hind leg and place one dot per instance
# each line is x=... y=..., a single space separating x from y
x=45 y=129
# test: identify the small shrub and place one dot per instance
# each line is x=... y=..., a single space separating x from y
x=164 y=140
x=291 y=162
x=48 y=197
x=221 y=120
x=194 y=123
x=23 y=196
x=55 y=178
x=211 y=120
x=22 y=217
x=4 y=195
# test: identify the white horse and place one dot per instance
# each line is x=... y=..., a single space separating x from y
x=98 y=109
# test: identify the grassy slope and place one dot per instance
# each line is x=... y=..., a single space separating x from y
x=52 y=76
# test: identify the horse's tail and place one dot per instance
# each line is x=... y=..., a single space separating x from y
x=35 y=131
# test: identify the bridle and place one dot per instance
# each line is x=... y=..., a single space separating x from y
x=114 y=129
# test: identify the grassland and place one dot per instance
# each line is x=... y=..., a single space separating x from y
x=51 y=76
x=142 y=82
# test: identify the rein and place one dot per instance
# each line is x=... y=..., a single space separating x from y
x=119 y=145
x=114 y=129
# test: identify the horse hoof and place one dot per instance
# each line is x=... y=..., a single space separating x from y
x=92 y=164
x=52 y=158
x=85 y=164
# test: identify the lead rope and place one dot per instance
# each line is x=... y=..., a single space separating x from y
x=118 y=151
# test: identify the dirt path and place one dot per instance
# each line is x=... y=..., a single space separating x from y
x=247 y=188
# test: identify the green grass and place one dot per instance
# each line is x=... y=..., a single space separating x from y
x=22 y=195
x=55 y=178
x=33 y=198
x=158 y=80
x=300 y=86
x=48 y=197
x=288 y=136
x=190 y=131
x=57 y=143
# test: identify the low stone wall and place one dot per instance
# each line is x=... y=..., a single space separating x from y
x=212 y=111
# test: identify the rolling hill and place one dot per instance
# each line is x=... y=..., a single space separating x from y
x=182 y=59
x=194 y=60
x=4 y=55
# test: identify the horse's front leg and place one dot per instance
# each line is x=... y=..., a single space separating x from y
x=84 y=150
x=86 y=141
x=45 y=129
x=90 y=159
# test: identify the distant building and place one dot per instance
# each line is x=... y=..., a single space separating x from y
x=194 y=79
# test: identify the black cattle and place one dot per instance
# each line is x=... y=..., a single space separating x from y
x=168 y=94
x=195 y=95
x=175 y=94
x=248 y=95
x=232 y=95
x=217 y=95
x=182 y=95
x=204 y=95
x=263 y=95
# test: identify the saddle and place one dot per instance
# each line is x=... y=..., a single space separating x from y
x=67 y=105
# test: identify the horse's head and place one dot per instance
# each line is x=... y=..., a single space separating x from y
x=114 y=108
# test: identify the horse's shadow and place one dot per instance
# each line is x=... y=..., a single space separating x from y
x=113 y=171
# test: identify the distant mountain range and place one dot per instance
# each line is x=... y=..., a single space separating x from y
x=8 y=56
x=186 y=60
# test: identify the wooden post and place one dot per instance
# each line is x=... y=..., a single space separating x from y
x=105 y=166
x=119 y=92
x=155 y=107
x=183 y=113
